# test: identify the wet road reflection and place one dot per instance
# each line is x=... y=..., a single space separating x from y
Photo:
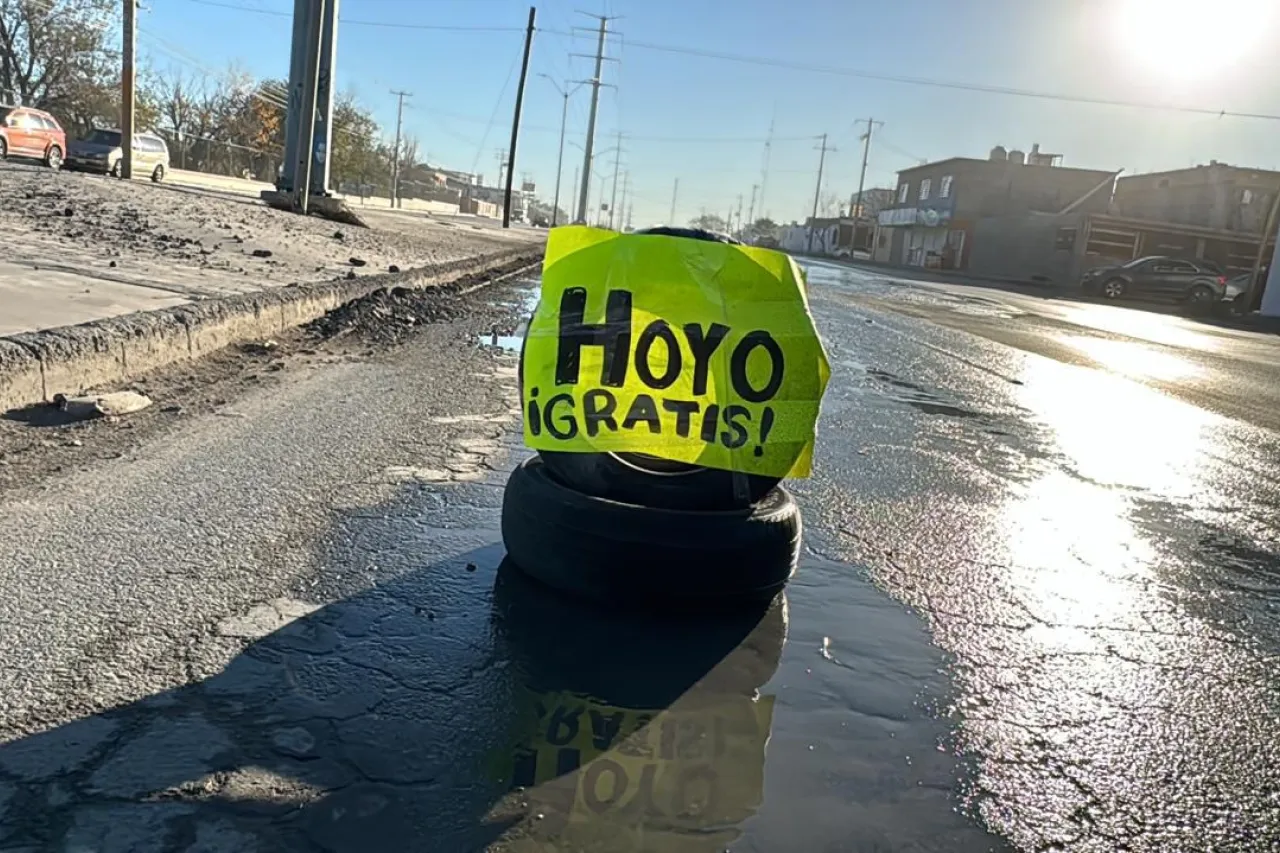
x=1100 y=558
x=440 y=701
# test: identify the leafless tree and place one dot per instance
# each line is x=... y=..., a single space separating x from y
x=56 y=53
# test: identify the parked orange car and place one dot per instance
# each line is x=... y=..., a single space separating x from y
x=25 y=132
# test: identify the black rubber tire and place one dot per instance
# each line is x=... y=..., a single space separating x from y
x=53 y=157
x=1201 y=300
x=689 y=488
x=114 y=171
x=157 y=174
x=623 y=553
x=634 y=659
x=4 y=149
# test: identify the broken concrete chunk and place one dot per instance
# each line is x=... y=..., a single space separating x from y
x=112 y=404
x=262 y=253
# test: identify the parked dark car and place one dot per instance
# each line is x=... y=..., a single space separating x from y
x=1158 y=277
x=35 y=134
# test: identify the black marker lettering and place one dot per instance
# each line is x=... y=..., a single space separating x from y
x=703 y=344
x=699 y=779
x=658 y=329
x=568 y=422
x=735 y=435
x=643 y=410
x=738 y=366
x=591 y=784
x=766 y=426
x=684 y=410
x=533 y=414
x=613 y=335
x=597 y=410
x=710 y=420
x=604 y=730
x=563 y=726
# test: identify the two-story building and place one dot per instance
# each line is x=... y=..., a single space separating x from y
x=966 y=213
x=1215 y=212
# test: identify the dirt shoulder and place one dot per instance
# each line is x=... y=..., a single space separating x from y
x=38 y=443
x=181 y=243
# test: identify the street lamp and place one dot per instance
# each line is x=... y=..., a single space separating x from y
x=564 y=116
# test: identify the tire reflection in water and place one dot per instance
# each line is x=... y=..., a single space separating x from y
x=640 y=732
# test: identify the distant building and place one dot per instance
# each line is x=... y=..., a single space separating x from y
x=1219 y=196
x=947 y=212
x=873 y=201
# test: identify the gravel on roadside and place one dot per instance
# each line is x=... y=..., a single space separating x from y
x=39 y=442
x=209 y=243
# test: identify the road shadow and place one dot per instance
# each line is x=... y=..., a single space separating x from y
x=456 y=707
x=43 y=415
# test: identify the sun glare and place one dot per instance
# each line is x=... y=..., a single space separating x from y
x=1190 y=39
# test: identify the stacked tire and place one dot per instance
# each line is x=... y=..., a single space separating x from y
x=631 y=528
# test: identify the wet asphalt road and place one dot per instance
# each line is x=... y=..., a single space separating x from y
x=1038 y=610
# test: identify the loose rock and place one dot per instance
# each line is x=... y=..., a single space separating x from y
x=113 y=404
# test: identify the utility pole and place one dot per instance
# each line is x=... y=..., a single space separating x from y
x=500 y=155
x=565 y=92
x=751 y=208
x=626 y=180
x=617 y=164
x=515 y=121
x=127 y=79
x=739 y=211
x=862 y=176
x=817 y=191
x=575 y=183
x=595 y=82
x=395 y=155
x=764 y=169
x=307 y=115
x=675 y=190
x=1257 y=287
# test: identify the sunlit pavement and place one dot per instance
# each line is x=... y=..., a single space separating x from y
x=1039 y=609
x=1098 y=553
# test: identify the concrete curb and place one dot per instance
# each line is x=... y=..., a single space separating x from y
x=71 y=359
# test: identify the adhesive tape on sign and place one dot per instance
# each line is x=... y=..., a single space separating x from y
x=689 y=350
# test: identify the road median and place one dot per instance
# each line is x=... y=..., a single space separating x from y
x=34 y=366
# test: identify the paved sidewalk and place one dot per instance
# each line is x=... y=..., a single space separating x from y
x=42 y=299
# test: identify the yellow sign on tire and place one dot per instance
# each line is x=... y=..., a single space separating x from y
x=689 y=350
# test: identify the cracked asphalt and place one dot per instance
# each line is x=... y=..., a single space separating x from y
x=1038 y=610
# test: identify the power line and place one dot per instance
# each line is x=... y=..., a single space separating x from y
x=395 y=25
x=945 y=84
x=795 y=65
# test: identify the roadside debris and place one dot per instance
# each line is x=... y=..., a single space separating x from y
x=260 y=347
x=387 y=315
x=112 y=404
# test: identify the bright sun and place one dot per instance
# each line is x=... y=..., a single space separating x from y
x=1190 y=39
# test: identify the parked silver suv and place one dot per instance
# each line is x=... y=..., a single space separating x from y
x=102 y=152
